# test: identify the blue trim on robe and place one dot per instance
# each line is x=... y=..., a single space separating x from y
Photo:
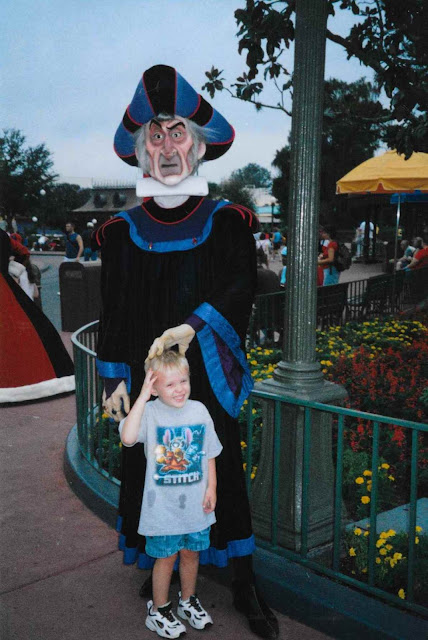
x=216 y=557
x=224 y=394
x=115 y=370
x=197 y=233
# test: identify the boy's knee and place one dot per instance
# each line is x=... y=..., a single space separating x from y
x=188 y=555
x=168 y=559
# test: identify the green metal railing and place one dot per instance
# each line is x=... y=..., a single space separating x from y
x=332 y=561
x=338 y=303
x=99 y=444
x=97 y=436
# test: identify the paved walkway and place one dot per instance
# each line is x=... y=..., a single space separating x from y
x=62 y=577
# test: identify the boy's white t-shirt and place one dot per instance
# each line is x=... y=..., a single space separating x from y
x=178 y=444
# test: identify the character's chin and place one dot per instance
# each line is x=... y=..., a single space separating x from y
x=172 y=180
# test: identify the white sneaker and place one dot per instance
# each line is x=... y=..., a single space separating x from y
x=164 y=621
x=192 y=611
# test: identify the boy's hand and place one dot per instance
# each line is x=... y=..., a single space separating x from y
x=147 y=388
x=210 y=500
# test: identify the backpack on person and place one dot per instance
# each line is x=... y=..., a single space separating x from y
x=342 y=257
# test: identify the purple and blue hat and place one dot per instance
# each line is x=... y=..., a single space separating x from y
x=163 y=90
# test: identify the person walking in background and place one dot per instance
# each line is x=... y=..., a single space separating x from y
x=406 y=258
x=73 y=244
x=420 y=257
x=277 y=240
x=88 y=254
x=329 y=247
x=283 y=277
x=267 y=280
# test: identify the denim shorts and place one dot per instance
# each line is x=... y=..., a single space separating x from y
x=165 y=546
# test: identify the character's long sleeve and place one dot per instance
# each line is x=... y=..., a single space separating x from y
x=222 y=319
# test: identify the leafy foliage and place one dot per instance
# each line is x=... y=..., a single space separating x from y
x=350 y=134
x=24 y=173
x=27 y=183
x=253 y=175
x=389 y=36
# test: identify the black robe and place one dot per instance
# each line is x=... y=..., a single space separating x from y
x=177 y=260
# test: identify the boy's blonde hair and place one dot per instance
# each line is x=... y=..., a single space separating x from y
x=168 y=359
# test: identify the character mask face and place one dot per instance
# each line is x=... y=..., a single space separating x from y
x=169 y=144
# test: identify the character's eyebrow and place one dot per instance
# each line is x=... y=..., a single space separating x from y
x=154 y=121
x=177 y=124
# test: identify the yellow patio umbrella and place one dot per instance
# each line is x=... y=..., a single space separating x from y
x=388 y=173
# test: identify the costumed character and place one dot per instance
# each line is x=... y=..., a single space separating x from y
x=33 y=360
x=179 y=266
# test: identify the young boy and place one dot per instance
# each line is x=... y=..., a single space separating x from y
x=179 y=498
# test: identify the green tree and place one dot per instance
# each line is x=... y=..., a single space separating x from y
x=59 y=201
x=231 y=189
x=351 y=132
x=389 y=36
x=25 y=172
x=253 y=175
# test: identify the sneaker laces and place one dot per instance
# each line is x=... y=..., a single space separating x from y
x=166 y=612
x=195 y=603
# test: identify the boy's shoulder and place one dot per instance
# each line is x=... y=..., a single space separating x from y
x=197 y=406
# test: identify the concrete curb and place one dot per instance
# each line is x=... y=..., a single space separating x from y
x=97 y=492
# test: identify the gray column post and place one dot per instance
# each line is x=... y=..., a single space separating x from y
x=299 y=374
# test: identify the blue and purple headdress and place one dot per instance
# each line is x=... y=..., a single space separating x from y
x=163 y=90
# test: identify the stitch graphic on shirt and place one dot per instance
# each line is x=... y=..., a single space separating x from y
x=178 y=454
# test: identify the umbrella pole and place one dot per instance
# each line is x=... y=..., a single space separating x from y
x=397 y=224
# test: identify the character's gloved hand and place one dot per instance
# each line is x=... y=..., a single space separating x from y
x=181 y=335
x=117 y=404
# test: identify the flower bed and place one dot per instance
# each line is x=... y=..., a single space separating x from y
x=383 y=366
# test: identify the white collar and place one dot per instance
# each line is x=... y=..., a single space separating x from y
x=191 y=186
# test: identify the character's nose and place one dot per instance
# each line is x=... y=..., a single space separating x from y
x=168 y=146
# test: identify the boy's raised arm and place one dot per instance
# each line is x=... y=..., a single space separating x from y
x=131 y=426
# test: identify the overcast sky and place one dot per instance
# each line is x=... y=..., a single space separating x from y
x=70 y=68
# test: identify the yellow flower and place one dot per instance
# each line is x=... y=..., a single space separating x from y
x=418 y=529
x=383 y=534
x=254 y=362
x=402 y=594
x=388 y=546
x=105 y=415
x=367 y=472
x=254 y=411
x=391 y=478
x=384 y=466
x=364 y=570
x=357 y=531
x=253 y=475
x=380 y=542
x=416 y=540
x=359 y=480
x=378 y=560
x=366 y=533
x=398 y=556
x=243 y=444
x=352 y=551
x=383 y=552
x=365 y=499
x=390 y=533
x=244 y=466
